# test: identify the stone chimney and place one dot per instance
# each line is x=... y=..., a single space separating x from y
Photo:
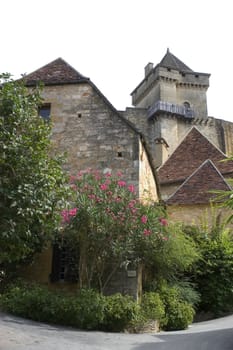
x=148 y=68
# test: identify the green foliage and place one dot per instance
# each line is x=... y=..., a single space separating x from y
x=213 y=272
x=176 y=257
x=178 y=313
x=31 y=179
x=119 y=311
x=89 y=309
x=187 y=292
x=152 y=306
x=85 y=310
x=111 y=227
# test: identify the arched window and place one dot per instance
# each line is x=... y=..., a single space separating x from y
x=186 y=105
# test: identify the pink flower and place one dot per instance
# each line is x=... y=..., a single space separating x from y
x=73 y=212
x=73 y=187
x=103 y=187
x=131 y=203
x=67 y=213
x=108 y=174
x=121 y=183
x=144 y=219
x=65 y=216
x=72 y=178
x=163 y=221
x=164 y=238
x=131 y=188
x=119 y=174
x=91 y=196
x=147 y=232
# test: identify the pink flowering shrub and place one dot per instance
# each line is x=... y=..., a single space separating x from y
x=109 y=223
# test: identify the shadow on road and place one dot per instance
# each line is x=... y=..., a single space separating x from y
x=212 y=340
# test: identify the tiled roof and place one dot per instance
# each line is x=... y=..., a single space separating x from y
x=172 y=62
x=189 y=155
x=196 y=189
x=56 y=72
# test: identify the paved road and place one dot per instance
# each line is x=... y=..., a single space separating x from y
x=20 y=334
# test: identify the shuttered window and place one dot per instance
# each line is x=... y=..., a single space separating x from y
x=64 y=264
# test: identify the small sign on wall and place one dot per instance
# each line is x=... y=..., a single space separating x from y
x=131 y=273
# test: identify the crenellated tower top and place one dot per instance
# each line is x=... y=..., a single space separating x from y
x=172 y=87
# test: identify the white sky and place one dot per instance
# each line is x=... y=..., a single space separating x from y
x=111 y=41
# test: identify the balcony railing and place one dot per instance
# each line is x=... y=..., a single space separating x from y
x=161 y=106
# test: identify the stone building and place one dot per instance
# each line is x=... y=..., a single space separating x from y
x=171 y=112
x=166 y=144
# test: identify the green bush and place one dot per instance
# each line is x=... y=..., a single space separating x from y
x=85 y=310
x=37 y=303
x=119 y=311
x=187 y=292
x=152 y=306
x=89 y=309
x=213 y=272
x=178 y=313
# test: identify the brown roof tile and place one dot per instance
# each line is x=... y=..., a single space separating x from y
x=189 y=155
x=196 y=189
x=55 y=73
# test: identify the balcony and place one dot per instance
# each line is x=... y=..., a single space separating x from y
x=170 y=108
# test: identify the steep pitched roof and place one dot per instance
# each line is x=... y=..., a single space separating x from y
x=172 y=62
x=54 y=73
x=189 y=155
x=196 y=189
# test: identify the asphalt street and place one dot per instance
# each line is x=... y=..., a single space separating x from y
x=21 y=334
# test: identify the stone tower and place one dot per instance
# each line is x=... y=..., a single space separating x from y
x=172 y=97
x=172 y=87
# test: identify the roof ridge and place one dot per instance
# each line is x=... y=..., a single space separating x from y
x=190 y=153
x=195 y=172
x=171 y=61
x=56 y=72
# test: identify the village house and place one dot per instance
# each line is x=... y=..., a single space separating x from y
x=166 y=144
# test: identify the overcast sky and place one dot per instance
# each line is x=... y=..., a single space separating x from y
x=111 y=41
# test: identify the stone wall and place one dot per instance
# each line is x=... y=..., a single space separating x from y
x=39 y=270
x=173 y=130
x=90 y=132
x=147 y=185
x=196 y=214
x=126 y=280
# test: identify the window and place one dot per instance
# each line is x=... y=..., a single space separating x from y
x=44 y=111
x=186 y=105
x=64 y=264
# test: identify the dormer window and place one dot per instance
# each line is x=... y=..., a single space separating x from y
x=44 y=111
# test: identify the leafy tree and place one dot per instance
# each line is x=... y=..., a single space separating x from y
x=31 y=179
x=111 y=227
x=213 y=272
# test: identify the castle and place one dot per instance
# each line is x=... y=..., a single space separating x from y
x=165 y=145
